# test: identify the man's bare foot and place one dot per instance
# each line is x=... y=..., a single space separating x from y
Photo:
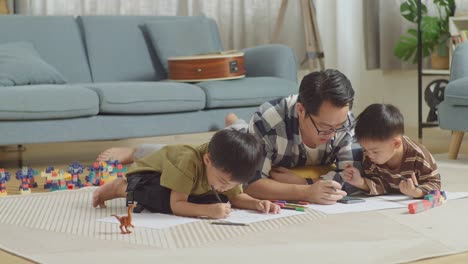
x=123 y=155
x=108 y=191
x=230 y=119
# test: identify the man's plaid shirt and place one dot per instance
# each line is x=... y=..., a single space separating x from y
x=276 y=124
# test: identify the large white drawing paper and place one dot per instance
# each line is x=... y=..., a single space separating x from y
x=160 y=221
x=250 y=216
x=377 y=203
x=153 y=220
x=370 y=204
x=403 y=199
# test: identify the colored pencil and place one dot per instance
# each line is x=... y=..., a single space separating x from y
x=216 y=194
x=300 y=209
x=298 y=202
x=229 y=223
x=295 y=205
x=278 y=201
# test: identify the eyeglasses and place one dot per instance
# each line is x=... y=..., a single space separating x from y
x=331 y=130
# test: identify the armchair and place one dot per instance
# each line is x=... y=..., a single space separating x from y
x=453 y=111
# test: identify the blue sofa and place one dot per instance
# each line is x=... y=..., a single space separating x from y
x=115 y=84
x=454 y=109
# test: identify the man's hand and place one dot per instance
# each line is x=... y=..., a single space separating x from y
x=266 y=206
x=408 y=187
x=282 y=174
x=352 y=176
x=324 y=192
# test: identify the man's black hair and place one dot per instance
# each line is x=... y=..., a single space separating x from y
x=328 y=85
x=235 y=152
x=379 y=122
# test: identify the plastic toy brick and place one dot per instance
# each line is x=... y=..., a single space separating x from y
x=4 y=177
x=443 y=194
x=56 y=179
x=103 y=172
x=75 y=170
x=420 y=206
x=433 y=199
x=26 y=176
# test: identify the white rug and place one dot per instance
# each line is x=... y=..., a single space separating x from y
x=60 y=227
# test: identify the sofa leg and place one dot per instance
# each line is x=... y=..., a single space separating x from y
x=20 y=149
x=454 y=148
x=7 y=151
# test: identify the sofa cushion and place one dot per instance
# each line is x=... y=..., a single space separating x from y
x=148 y=97
x=456 y=92
x=20 y=64
x=245 y=92
x=459 y=66
x=181 y=37
x=56 y=38
x=33 y=102
x=119 y=48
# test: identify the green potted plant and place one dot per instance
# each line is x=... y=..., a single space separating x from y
x=435 y=31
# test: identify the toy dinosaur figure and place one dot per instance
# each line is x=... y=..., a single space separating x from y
x=126 y=220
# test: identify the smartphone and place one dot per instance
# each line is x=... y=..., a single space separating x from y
x=351 y=200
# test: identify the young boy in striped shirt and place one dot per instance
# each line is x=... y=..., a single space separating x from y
x=392 y=162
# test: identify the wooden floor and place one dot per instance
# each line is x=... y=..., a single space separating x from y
x=40 y=156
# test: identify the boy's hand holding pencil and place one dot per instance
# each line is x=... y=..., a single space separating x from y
x=219 y=210
x=410 y=187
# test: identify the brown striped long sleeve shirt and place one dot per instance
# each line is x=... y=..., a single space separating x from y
x=416 y=158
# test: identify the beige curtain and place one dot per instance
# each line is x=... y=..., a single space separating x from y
x=242 y=23
x=383 y=25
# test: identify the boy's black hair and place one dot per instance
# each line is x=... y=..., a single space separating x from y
x=379 y=122
x=328 y=85
x=235 y=152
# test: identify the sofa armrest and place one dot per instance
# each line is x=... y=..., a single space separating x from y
x=459 y=67
x=271 y=60
x=455 y=93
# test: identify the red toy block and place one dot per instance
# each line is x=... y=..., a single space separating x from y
x=433 y=199
x=420 y=206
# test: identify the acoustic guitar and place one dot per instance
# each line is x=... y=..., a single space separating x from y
x=223 y=65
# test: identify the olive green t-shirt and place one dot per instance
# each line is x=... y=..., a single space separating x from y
x=182 y=169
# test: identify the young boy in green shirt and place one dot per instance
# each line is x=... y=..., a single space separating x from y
x=184 y=180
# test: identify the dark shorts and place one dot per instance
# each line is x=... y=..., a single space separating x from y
x=149 y=194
